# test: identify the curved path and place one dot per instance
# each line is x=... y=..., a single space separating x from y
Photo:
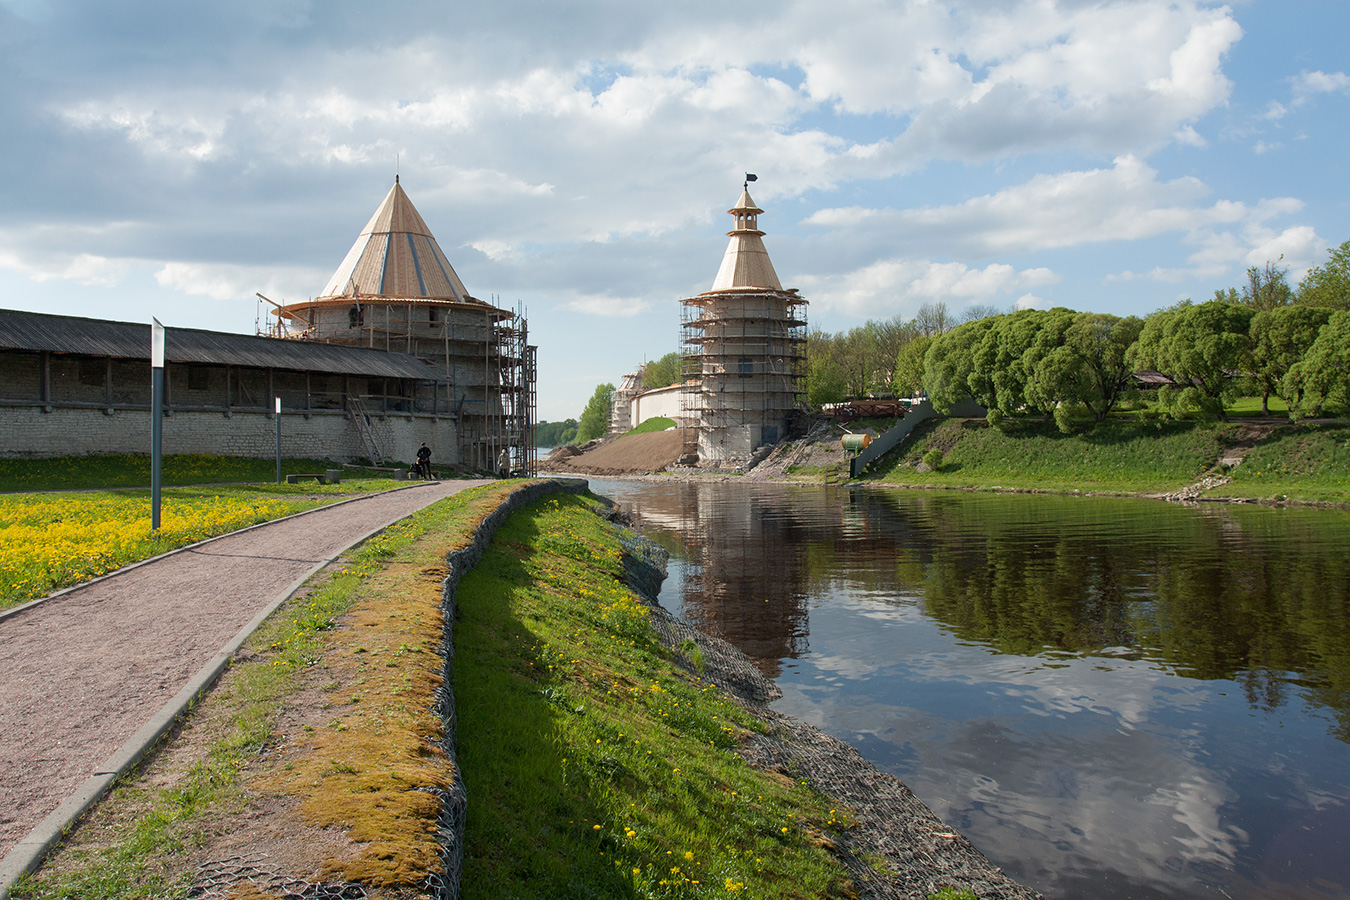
x=90 y=676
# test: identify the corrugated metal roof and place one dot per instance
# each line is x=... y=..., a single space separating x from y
x=129 y=340
x=396 y=256
x=746 y=263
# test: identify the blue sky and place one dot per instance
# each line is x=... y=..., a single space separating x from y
x=169 y=160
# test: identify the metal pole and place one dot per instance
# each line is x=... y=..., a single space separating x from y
x=156 y=416
x=278 y=414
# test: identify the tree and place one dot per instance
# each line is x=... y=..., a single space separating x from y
x=907 y=376
x=824 y=378
x=662 y=372
x=555 y=434
x=948 y=365
x=1328 y=285
x=1010 y=348
x=1280 y=338
x=1202 y=347
x=1324 y=371
x=1088 y=367
x=1266 y=288
x=594 y=420
x=980 y=311
x=933 y=319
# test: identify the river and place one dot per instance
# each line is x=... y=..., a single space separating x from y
x=1112 y=698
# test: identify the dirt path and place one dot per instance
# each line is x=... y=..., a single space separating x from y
x=82 y=672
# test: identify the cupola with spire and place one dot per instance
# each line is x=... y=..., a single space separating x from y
x=746 y=263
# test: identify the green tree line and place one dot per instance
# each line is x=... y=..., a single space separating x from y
x=1266 y=337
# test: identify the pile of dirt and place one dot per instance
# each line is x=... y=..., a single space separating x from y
x=631 y=454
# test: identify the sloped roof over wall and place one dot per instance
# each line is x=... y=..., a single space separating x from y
x=396 y=256
x=130 y=340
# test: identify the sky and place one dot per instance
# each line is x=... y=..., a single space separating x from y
x=171 y=159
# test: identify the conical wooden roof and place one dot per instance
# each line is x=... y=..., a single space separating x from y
x=746 y=264
x=396 y=256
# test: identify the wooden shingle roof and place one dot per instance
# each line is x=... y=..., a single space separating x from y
x=396 y=256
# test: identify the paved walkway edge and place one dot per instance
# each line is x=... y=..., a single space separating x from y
x=26 y=855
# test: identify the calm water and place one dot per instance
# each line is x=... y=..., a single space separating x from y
x=1111 y=698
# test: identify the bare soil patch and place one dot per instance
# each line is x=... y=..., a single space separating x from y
x=628 y=455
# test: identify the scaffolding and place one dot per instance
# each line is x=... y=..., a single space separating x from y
x=745 y=366
x=488 y=366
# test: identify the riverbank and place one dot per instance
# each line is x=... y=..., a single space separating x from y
x=1253 y=460
x=1244 y=460
x=637 y=756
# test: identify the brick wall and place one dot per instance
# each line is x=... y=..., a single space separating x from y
x=71 y=431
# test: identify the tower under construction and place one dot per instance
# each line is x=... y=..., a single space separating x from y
x=397 y=291
x=744 y=347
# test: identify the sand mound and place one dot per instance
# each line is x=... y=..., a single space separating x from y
x=628 y=455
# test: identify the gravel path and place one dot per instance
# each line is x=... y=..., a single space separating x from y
x=82 y=672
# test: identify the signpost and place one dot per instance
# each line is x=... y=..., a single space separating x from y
x=156 y=416
x=278 y=411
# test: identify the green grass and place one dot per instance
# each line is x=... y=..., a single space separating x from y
x=1309 y=463
x=133 y=470
x=154 y=826
x=597 y=768
x=659 y=423
x=1124 y=456
x=1251 y=406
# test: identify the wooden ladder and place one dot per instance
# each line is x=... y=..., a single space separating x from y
x=362 y=419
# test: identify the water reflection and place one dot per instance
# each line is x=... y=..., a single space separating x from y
x=1112 y=698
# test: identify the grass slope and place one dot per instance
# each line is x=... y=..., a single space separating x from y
x=1117 y=456
x=133 y=470
x=595 y=765
x=1310 y=463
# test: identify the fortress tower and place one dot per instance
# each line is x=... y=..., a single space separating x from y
x=397 y=291
x=744 y=346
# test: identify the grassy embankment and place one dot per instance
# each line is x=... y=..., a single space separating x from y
x=658 y=423
x=1307 y=463
x=596 y=766
x=53 y=540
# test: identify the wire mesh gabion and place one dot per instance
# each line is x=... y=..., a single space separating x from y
x=220 y=880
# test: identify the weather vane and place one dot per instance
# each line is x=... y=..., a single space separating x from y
x=749 y=178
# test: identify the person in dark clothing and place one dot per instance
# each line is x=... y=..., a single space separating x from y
x=423 y=466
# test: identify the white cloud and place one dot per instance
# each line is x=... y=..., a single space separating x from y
x=610 y=307
x=1309 y=84
x=899 y=286
x=221 y=281
x=1124 y=203
x=82 y=268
